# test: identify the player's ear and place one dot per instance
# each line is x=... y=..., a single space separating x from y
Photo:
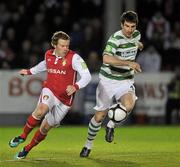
x=121 y=25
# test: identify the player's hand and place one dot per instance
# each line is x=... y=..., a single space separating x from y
x=140 y=45
x=70 y=90
x=23 y=72
x=135 y=66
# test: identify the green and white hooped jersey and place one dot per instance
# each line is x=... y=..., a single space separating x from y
x=123 y=48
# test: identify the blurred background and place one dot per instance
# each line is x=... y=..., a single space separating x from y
x=26 y=28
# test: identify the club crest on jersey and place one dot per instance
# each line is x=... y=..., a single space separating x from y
x=45 y=97
x=64 y=62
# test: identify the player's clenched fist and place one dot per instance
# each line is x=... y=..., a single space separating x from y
x=70 y=90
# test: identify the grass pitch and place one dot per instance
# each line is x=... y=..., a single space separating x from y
x=133 y=147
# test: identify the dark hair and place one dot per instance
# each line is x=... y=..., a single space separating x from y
x=129 y=16
x=59 y=35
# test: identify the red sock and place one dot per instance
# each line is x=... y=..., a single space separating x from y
x=30 y=124
x=38 y=137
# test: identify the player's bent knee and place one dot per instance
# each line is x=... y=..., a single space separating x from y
x=38 y=115
x=129 y=109
x=44 y=130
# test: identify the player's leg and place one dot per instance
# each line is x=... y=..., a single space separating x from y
x=103 y=101
x=32 y=121
x=52 y=119
x=39 y=136
x=45 y=103
x=93 y=129
x=126 y=96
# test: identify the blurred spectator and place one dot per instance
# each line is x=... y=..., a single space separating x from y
x=5 y=65
x=158 y=31
x=33 y=60
x=87 y=44
x=76 y=36
x=150 y=60
x=66 y=16
x=37 y=32
x=25 y=50
x=36 y=20
x=175 y=36
x=4 y=17
x=173 y=101
x=93 y=62
x=56 y=21
x=11 y=60
x=11 y=38
x=45 y=46
x=26 y=25
x=7 y=56
x=97 y=34
x=3 y=49
x=90 y=41
x=171 y=56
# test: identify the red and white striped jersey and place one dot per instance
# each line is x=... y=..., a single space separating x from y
x=62 y=72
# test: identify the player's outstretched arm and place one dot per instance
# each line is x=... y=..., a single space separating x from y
x=41 y=67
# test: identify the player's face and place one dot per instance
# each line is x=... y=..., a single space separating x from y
x=128 y=28
x=62 y=47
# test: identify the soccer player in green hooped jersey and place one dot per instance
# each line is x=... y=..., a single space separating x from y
x=116 y=77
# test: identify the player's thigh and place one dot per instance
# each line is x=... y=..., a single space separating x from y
x=46 y=102
x=40 y=111
x=47 y=97
x=104 y=94
x=126 y=94
x=56 y=115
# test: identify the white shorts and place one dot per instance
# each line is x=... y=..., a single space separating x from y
x=57 y=110
x=108 y=89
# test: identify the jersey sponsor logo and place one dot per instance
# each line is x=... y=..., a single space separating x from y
x=49 y=60
x=56 y=71
x=129 y=53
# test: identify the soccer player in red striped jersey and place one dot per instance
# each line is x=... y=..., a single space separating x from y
x=62 y=66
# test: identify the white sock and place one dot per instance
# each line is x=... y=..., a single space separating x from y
x=89 y=144
x=93 y=126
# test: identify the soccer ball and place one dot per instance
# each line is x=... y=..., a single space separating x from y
x=117 y=113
